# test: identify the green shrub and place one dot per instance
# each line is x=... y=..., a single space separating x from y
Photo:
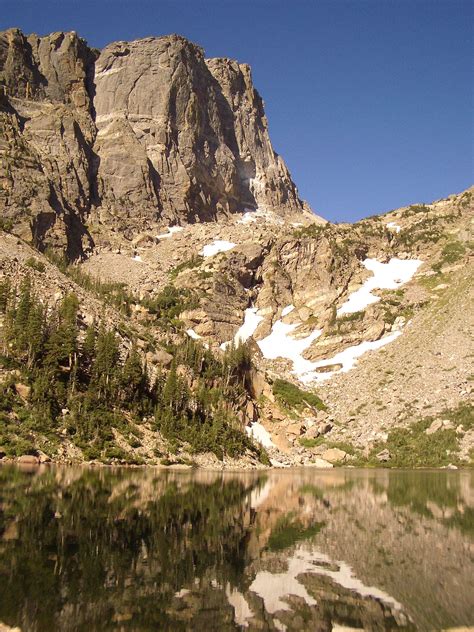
x=452 y=252
x=412 y=447
x=6 y=225
x=292 y=396
x=35 y=264
x=194 y=262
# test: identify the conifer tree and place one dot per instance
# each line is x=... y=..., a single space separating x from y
x=105 y=364
x=5 y=295
x=133 y=379
x=62 y=343
x=35 y=333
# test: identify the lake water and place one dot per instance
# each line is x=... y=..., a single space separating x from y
x=84 y=549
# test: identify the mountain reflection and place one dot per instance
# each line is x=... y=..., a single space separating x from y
x=137 y=550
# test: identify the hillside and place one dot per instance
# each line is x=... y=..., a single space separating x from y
x=143 y=208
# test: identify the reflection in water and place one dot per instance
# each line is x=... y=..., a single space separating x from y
x=137 y=550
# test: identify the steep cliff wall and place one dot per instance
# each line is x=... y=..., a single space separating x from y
x=142 y=132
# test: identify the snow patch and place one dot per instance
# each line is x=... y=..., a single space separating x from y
x=279 y=344
x=106 y=73
x=192 y=334
x=251 y=216
x=286 y=310
x=348 y=359
x=219 y=245
x=248 y=218
x=171 y=231
x=250 y=324
x=260 y=434
x=137 y=258
x=247 y=329
x=386 y=276
x=393 y=226
x=195 y=336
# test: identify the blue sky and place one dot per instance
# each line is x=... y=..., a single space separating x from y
x=370 y=102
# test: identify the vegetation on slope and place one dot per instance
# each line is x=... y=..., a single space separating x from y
x=414 y=447
x=66 y=382
x=293 y=397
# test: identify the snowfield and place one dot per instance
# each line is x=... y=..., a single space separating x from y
x=247 y=329
x=251 y=322
x=220 y=245
x=279 y=344
x=348 y=359
x=259 y=434
x=386 y=276
x=171 y=230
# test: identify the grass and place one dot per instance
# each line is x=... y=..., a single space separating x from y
x=412 y=447
x=463 y=415
x=310 y=443
x=345 y=446
x=194 y=262
x=292 y=396
x=35 y=264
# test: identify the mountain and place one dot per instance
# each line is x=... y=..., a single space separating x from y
x=138 y=133
x=161 y=272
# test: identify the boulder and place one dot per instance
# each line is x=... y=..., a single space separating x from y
x=323 y=427
x=312 y=433
x=28 y=459
x=335 y=455
x=43 y=458
x=295 y=429
x=23 y=390
x=160 y=357
x=383 y=456
x=436 y=425
x=321 y=463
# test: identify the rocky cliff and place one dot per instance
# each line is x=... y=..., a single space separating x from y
x=139 y=134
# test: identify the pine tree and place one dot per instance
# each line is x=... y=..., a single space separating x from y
x=133 y=379
x=5 y=295
x=35 y=333
x=21 y=315
x=105 y=364
x=62 y=343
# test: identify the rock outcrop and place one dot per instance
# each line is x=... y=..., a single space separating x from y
x=144 y=132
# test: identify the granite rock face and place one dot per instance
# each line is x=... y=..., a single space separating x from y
x=141 y=133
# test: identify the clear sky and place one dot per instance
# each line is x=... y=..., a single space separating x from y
x=370 y=102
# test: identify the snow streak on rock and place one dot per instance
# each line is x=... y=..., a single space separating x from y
x=279 y=344
x=386 y=276
x=219 y=245
x=260 y=434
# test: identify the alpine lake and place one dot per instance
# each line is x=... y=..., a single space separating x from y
x=86 y=549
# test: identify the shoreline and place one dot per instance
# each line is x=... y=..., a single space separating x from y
x=35 y=464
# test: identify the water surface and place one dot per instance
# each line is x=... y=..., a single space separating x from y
x=85 y=549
